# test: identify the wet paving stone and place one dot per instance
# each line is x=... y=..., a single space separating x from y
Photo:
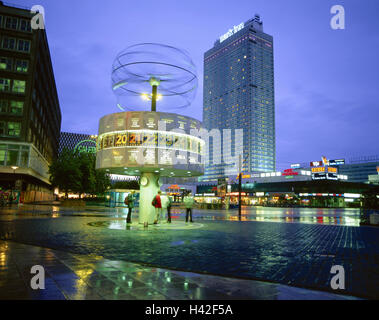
x=140 y=282
x=289 y=253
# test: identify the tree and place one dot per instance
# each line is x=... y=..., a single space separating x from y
x=93 y=182
x=87 y=163
x=102 y=182
x=76 y=172
x=65 y=172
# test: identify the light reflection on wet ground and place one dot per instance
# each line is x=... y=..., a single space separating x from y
x=326 y=216
x=91 y=277
x=120 y=224
x=347 y=217
x=299 y=254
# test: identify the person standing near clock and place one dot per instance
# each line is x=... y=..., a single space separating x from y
x=129 y=201
x=157 y=203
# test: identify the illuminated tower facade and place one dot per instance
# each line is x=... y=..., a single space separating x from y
x=239 y=94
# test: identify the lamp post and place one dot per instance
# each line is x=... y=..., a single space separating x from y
x=14 y=173
x=154 y=82
x=154 y=97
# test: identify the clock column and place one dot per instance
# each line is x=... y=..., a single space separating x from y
x=149 y=187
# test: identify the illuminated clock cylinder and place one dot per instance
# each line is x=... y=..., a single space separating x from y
x=150 y=145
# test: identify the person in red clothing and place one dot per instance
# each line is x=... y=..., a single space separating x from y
x=157 y=203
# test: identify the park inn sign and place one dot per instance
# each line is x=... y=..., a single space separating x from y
x=232 y=31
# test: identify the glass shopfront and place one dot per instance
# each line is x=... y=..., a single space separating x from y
x=14 y=155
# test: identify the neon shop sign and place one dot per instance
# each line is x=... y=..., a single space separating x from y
x=85 y=146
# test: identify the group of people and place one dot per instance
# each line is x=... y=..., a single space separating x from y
x=161 y=202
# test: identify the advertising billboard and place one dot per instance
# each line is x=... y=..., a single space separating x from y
x=336 y=162
x=324 y=176
x=319 y=176
x=325 y=161
x=316 y=164
x=332 y=176
x=289 y=172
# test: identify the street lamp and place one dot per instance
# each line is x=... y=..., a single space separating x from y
x=14 y=172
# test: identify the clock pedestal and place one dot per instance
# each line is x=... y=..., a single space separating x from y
x=148 y=190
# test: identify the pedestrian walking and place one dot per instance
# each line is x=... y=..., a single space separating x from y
x=129 y=201
x=157 y=204
x=188 y=203
x=227 y=202
x=166 y=205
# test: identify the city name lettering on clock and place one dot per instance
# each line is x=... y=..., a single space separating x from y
x=232 y=31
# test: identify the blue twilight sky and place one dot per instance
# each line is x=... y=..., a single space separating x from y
x=326 y=81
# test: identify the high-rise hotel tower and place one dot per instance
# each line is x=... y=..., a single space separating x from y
x=239 y=94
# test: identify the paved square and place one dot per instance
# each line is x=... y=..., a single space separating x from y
x=294 y=254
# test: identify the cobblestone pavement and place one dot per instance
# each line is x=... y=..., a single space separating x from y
x=90 y=277
x=293 y=254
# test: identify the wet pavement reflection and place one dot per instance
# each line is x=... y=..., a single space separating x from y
x=292 y=246
x=325 y=216
x=120 y=224
x=91 y=277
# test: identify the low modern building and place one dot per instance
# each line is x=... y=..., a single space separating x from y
x=373 y=179
x=30 y=115
x=284 y=176
x=316 y=193
x=359 y=172
x=77 y=141
x=320 y=184
x=356 y=169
